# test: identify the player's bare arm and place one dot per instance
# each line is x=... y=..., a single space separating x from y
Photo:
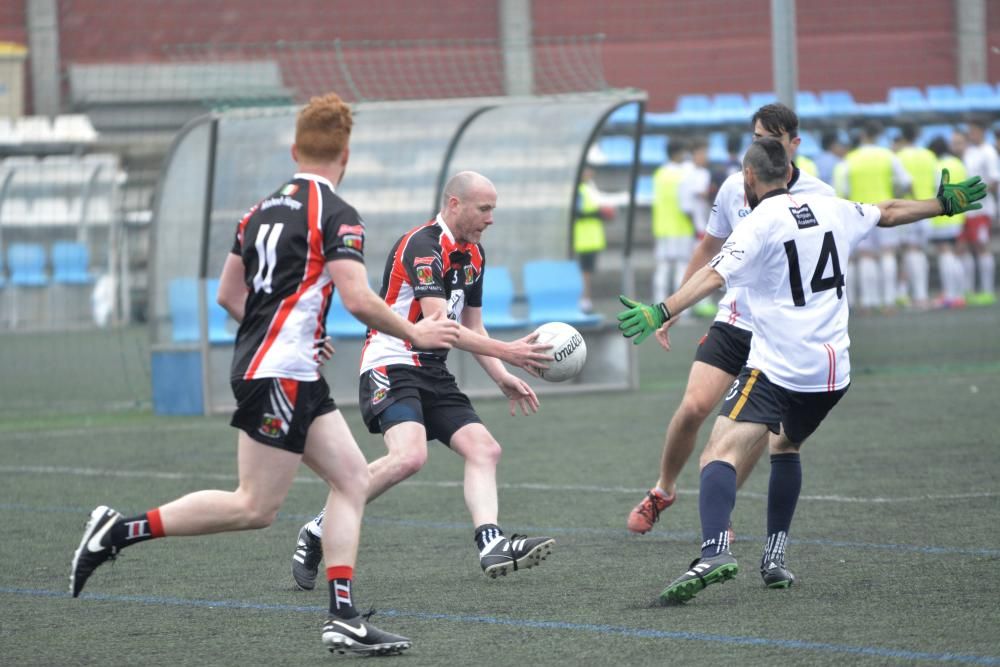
x=523 y=353
x=518 y=392
x=351 y=279
x=952 y=198
x=232 y=293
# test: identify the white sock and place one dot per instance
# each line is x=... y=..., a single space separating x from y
x=889 y=274
x=868 y=279
x=951 y=275
x=968 y=264
x=315 y=527
x=916 y=265
x=987 y=273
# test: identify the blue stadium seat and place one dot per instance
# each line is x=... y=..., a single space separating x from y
x=981 y=97
x=624 y=116
x=759 y=99
x=694 y=110
x=219 y=322
x=182 y=299
x=653 y=149
x=807 y=105
x=340 y=323
x=929 y=132
x=27 y=265
x=498 y=300
x=946 y=99
x=839 y=102
x=644 y=191
x=730 y=108
x=717 y=147
x=71 y=263
x=651 y=120
x=616 y=151
x=553 y=289
x=809 y=146
x=908 y=99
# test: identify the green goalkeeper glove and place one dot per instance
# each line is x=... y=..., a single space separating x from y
x=960 y=197
x=640 y=320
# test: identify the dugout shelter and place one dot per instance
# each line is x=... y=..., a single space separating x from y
x=533 y=149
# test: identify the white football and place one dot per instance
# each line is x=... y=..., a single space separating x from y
x=568 y=349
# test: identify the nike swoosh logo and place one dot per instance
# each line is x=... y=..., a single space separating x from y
x=360 y=631
x=94 y=544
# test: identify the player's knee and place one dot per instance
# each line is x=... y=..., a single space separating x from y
x=260 y=514
x=410 y=461
x=486 y=451
x=694 y=409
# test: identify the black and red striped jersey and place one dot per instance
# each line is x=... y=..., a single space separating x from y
x=285 y=242
x=425 y=262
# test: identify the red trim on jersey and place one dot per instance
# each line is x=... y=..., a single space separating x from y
x=155 y=523
x=313 y=270
x=831 y=377
x=241 y=228
x=733 y=313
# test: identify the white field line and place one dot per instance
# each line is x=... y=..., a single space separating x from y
x=156 y=474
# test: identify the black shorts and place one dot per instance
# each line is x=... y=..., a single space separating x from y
x=724 y=346
x=428 y=395
x=754 y=398
x=588 y=261
x=279 y=411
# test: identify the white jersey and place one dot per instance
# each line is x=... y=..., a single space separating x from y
x=982 y=161
x=728 y=211
x=791 y=256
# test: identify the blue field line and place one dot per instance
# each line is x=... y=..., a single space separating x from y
x=673 y=536
x=642 y=633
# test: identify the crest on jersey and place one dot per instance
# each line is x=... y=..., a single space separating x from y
x=357 y=230
x=289 y=189
x=354 y=241
x=425 y=275
x=804 y=217
x=470 y=275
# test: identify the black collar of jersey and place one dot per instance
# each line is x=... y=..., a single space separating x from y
x=795 y=176
x=774 y=193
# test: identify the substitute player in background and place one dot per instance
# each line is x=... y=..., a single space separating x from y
x=789 y=256
x=723 y=350
x=290 y=251
x=407 y=393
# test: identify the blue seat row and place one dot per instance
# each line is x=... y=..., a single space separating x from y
x=554 y=296
x=725 y=108
x=27 y=264
x=182 y=300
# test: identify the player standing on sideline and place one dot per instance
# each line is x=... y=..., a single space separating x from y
x=789 y=257
x=723 y=350
x=407 y=393
x=980 y=157
x=921 y=164
x=290 y=251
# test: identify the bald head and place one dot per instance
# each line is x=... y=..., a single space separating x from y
x=463 y=185
x=467 y=205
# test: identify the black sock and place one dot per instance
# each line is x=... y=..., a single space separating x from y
x=782 y=496
x=126 y=532
x=716 y=499
x=486 y=533
x=341 y=602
